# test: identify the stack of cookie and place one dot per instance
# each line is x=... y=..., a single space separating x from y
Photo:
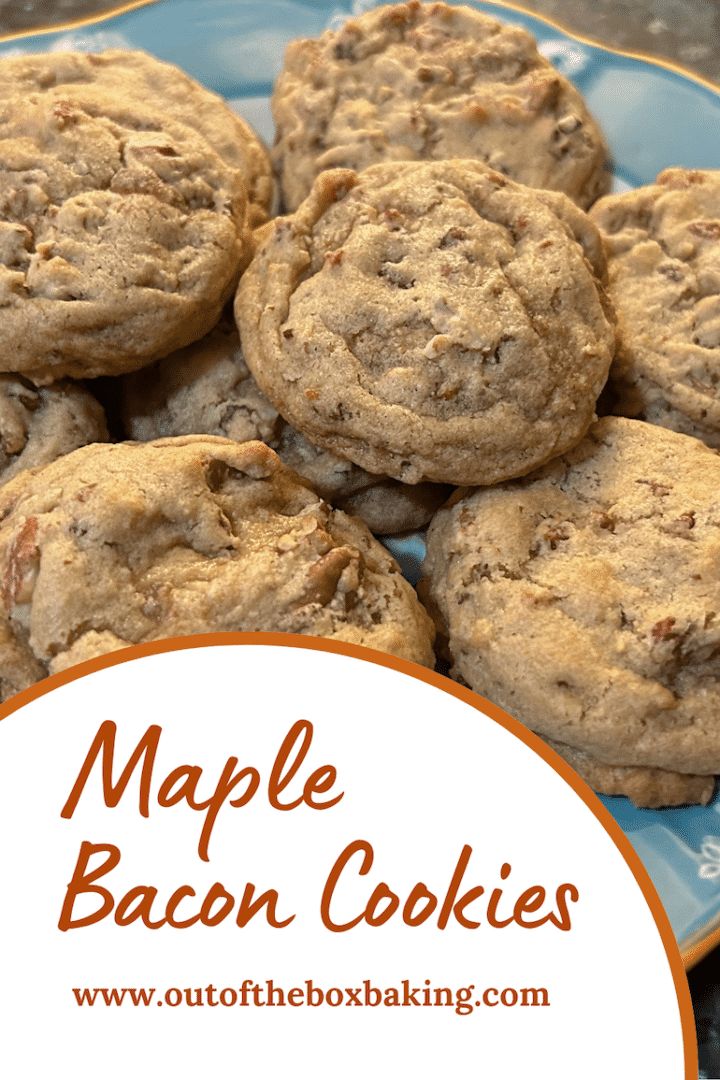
x=434 y=311
x=585 y=598
x=128 y=198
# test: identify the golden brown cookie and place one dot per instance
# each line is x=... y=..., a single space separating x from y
x=585 y=598
x=649 y=788
x=663 y=244
x=132 y=542
x=137 y=75
x=206 y=389
x=122 y=235
x=430 y=321
x=413 y=82
x=40 y=424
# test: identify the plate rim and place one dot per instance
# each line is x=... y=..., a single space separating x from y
x=654 y=60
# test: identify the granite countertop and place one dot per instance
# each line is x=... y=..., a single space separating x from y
x=684 y=31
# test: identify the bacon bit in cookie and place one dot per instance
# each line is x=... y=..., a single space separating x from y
x=452 y=237
x=477 y=113
x=555 y=534
x=334 y=258
x=664 y=630
x=312 y=395
x=21 y=567
x=604 y=521
x=287 y=334
x=83 y=495
x=657 y=489
x=706 y=230
x=681 y=526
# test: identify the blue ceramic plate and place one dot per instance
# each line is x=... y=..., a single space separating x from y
x=653 y=116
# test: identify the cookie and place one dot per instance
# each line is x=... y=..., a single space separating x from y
x=663 y=244
x=207 y=389
x=129 y=73
x=649 y=788
x=40 y=424
x=584 y=599
x=118 y=544
x=430 y=321
x=122 y=234
x=413 y=82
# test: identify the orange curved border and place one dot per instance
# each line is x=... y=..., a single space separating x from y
x=432 y=678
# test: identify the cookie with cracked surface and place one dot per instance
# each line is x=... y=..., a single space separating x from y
x=649 y=788
x=663 y=244
x=122 y=234
x=138 y=75
x=585 y=599
x=40 y=424
x=430 y=321
x=416 y=81
x=207 y=389
x=129 y=542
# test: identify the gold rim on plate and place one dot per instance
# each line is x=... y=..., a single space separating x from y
x=655 y=61
x=73 y=24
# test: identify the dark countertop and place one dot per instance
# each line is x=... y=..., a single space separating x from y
x=684 y=31
x=705 y=989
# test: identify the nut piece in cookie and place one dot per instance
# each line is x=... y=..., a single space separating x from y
x=206 y=389
x=122 y=234
x=585 y=598
x=132 y=542
x=663 y=245
x=40 y=424
x=129 y=74
x=413 y=82
x=430 y=321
